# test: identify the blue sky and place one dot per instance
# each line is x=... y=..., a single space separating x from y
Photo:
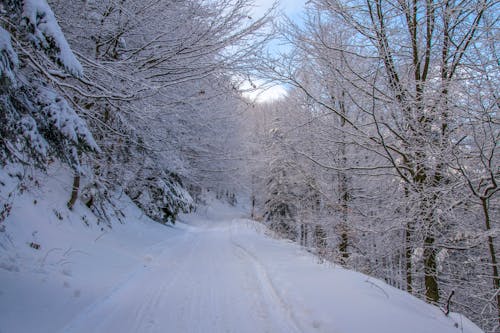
x=266 y=93
x=292 y=8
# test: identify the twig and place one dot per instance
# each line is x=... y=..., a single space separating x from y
x=447 y=307
x=100 y=236
x=375 y=285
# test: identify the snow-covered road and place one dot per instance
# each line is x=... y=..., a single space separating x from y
x=214 y=272
x=201 y=280
x=226 y=275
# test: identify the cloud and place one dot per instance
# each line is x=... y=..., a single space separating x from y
x=260 y=92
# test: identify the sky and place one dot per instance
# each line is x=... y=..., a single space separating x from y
x=291 y=7
x=265 y=92
x=270 y=92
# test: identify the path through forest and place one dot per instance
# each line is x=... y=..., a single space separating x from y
x=225 y=274
x=214 y=271
x=201 y=280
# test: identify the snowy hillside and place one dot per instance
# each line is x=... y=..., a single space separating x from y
x=216 y=271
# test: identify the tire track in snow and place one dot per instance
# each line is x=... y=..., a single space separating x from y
x=269 y=291
x=95 y=309
x=157 y=293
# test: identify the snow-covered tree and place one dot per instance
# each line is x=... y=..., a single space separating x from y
x=158 y=83
x=410 y=119
x=38 y=122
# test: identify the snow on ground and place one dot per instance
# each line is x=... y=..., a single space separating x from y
x=215 y=272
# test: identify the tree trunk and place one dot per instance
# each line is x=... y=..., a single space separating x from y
x=430 y=271
x=303 y=234
x=344 y=189
x=319 y=238
x=494 y=262
x=426 y=214
x=253 y=207
x=344 y=242
x=74 y=191
x=408 y=253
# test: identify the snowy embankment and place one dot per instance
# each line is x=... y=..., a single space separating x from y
x=214 y=272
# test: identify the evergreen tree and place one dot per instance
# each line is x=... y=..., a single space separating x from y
x=37 y=122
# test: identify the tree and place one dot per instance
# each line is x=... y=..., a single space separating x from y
x=37 y=123
x=395 y=75
x=476 y=157
x=160 y=85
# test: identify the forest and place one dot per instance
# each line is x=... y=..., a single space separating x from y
x=382 y=156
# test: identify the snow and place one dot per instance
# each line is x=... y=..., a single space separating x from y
x=8 y=57
x=45 y=30
x=63 y=117
x=32 y=135
x=217 y=271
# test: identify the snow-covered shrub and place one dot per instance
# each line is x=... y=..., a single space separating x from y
x=160 y=195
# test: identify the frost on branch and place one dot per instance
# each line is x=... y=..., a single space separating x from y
x=30 y=133
x=36 y=122
x=61 y=117
x=39 y=123
x=46 y=33
x=8 y=57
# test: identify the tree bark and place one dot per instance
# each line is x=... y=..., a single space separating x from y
x=408 y=253
x=344 y=242
x=494 y=262
x=74 y=191
x=430 y=271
